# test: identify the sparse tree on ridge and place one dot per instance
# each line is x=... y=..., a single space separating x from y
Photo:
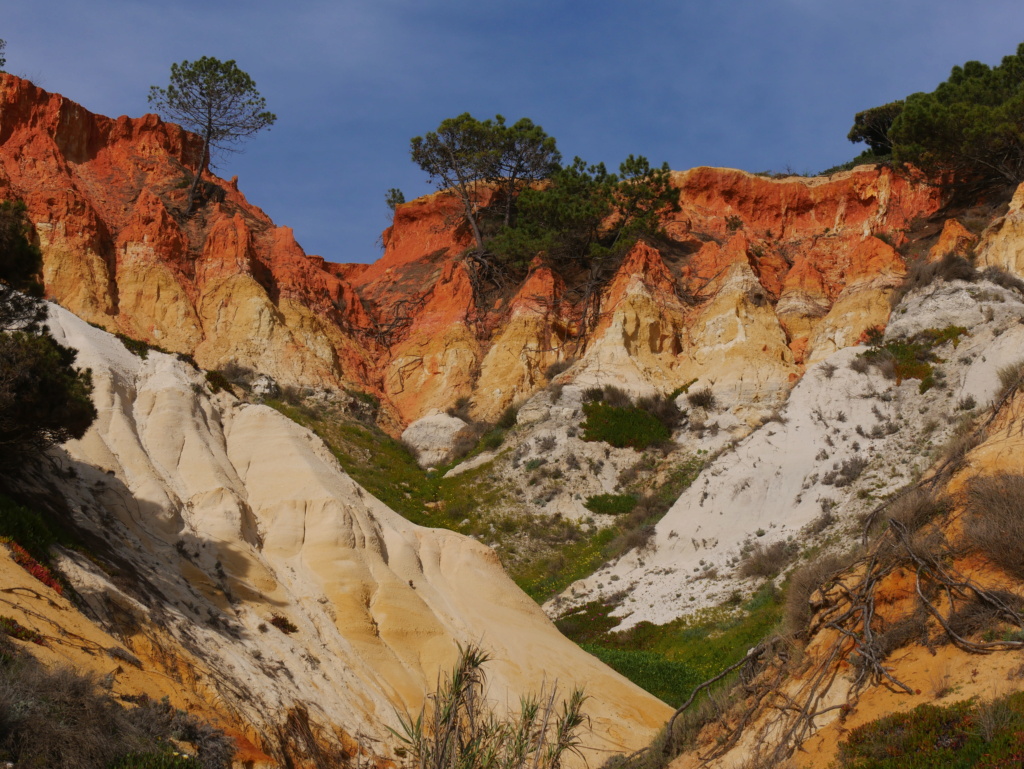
x=457 y=157
x=525 y=154
x=3 y=54
x=394 y=198
x=465 y=152
x=218 y=101
x=872 y=127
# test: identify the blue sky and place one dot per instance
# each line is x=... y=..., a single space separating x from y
x=752 y=84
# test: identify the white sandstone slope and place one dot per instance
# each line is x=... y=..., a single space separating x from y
x=769 y=486
x=225 y=515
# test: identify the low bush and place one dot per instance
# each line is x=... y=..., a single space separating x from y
x=283 y=624
x=911 y=358
x=461 y=408
x=558 y=367
x=994 y=522
x=923 y=273
x=804 y=583
x=217 y=382
x=703 y=398
x=60 y=719
x=663 y=409
x=845 y=473
x=960 y=443
x=1002 y=278
x=1010 y=377
x=975 y=616
x=611 y=504
x=507 y=420
x=616 y=396
x=916 y=508
x=958 y=736
x=760 y=560
x=640 y=538
x=138 y=347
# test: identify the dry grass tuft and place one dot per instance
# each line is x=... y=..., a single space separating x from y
x=915 y=509
x=804 y=583
x=994 y=520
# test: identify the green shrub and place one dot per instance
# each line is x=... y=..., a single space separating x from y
x=507 y=420
x=137 y=347
x=458 y=728
x=911 y=358
x=217 y=382
x=28 y=528
x=43 y=399
x=492 y=439
x=622 y=427
x=611 y=504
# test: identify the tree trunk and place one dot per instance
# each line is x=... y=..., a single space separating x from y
x=471 y=218
x=198 y=176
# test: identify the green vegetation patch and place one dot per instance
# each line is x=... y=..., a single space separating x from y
x=666 y=679
x=911 y=358
x=385 y=468
x=542 y=579
x=13 y=628
x=622 y=427
x=611 y=504
x=959 y=736
x=30 y=529
x=138 y=347
x=671 y=660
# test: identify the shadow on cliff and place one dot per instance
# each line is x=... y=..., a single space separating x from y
x=144 y=550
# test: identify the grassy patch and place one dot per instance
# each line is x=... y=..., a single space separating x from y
x=542 y=579
x=622 y=427
x=666 y=679
x=385 y=468
x=671 y=660
x=611 y=504
x=912 y=358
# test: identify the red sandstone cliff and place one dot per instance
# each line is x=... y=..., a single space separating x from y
x=766 y=274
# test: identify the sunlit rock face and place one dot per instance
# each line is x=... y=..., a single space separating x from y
x=766 y=275
x=254 y=572
x=106 y=199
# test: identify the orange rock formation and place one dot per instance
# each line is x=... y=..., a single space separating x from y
x=767 y=273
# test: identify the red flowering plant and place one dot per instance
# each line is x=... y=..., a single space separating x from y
x=33 y=567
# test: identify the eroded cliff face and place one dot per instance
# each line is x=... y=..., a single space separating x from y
x=105 y=197
x=765 y=276
x=236 y=560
